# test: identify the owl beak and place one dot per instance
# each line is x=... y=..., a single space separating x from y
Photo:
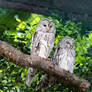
x=71 y=46
x=47 y=31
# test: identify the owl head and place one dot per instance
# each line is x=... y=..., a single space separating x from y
x=46 y=25
x=67 y=43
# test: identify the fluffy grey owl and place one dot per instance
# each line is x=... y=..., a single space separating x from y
x=64 y=57
x=42 y=43
x=65 y=54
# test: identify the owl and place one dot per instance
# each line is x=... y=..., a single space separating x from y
x=42 y=43
x=65 y=54
x=64 y=57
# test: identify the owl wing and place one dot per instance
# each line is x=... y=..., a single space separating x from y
x=53 y=58
x=57 y=54
x=35 y=43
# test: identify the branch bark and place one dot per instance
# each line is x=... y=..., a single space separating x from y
x=17 y=57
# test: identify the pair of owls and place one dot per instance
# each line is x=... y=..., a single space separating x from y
x=42 y=44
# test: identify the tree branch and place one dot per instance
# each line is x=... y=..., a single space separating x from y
x=17 y=57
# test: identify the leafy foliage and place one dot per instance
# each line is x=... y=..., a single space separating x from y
x=17 y=28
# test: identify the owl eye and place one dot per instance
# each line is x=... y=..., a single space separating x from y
x=67 y=42
x=44 y=25
x=50 y=26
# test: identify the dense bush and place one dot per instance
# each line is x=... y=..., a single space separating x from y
x=17 y=28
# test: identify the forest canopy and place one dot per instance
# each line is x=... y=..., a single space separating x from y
x=17 y=28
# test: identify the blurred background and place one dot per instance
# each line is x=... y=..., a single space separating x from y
x=17 y=28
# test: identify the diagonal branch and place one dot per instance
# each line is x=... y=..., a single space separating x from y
x=17 y=57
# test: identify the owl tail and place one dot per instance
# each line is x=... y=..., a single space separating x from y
x=30 y=76
x=44 y=83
